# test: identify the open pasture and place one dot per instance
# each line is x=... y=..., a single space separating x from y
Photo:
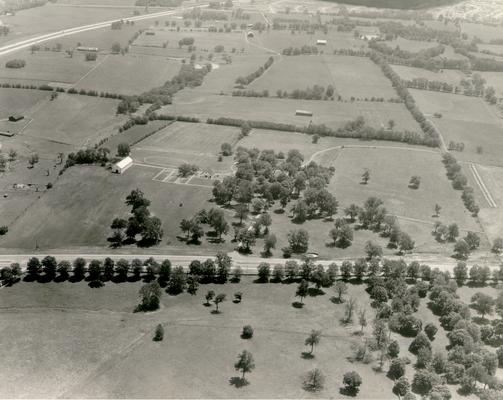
x=484 y=32
x=334 y=114
x=187 y=143
x=450 y=76
x=195 y=359
x=121 y=74
x=19 y=101
x=86 y=199
x=465 y=119
x=413 y=46
x=46 y=67
x=74 y=120
x=494 y=79
x=52 y=17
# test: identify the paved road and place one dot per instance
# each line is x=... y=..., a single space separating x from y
x=247 y=263
x=22 y=44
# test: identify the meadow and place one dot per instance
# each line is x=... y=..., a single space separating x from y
x=465 y=119
x=334 y=114
x=491 y=217
x=17 y=101
x=450 y=76
x=101 y=349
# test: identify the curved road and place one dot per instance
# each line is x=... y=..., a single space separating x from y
x=84 y=28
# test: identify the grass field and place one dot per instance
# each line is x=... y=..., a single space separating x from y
x=187 y=142
x=450 y=76
x=103 y=195
x=491 y=217
x=465 y=119
x=195 y=360
x=17 y=101
x=74 y=120
x=494 y=79
x=120 y=74
x=331 y=113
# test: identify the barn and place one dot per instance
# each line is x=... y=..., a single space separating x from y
x=15 y=117
x=122 y=165
x=322 y=42
x=304 y=113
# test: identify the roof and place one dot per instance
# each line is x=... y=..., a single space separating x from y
x=124 y=162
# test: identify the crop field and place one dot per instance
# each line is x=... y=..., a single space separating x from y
x=450 y=76
x=46 y=67
x=18 y=101
x=187 y=142
x=465 y=119
x=491 y=217
x=74 y=120
x=120 y=74
x=331 y=113
x=82 y=359
x=133 y=135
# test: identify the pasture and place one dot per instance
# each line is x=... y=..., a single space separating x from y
x=491 y=217
x=187 y=142
x=120 y=74
x=450 y=76
x=74 y=120
x=334 y=114
x=465 y=119
x=196 y=358
x=86 y=199
x=19 y=101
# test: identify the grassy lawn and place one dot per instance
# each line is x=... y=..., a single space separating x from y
x=188 y=142
x=75 y=120
x=120 y=74
x=465 y=119
x=86 y=199
x=102 y=349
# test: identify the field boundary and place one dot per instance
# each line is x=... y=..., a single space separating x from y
x=483 y=188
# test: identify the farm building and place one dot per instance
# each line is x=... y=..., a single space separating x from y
x=304 y=113
x=322 y=42
x=87 y=49
x=250 y=34
x=122 y=165
x=16 y=117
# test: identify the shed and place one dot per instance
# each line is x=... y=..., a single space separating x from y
x=304 y=113
x=250 y=34
x=321 y=41
x=122 y=165
x=87 y=49
x=15 y=117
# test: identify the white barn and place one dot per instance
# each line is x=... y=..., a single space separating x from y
x=321 y=42
x=122 y=165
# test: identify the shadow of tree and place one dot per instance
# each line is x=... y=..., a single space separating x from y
x=297 y=304
x=238 y=382
x=307 y=355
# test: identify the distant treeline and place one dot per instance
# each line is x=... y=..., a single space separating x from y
x=400 y=4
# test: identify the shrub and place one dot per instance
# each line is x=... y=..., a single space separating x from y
x=159 y=333
x=419 y=342
x=430 y=330
x=247 y=332
x=17 y=63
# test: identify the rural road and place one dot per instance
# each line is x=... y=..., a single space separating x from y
x=247 y=263
x=22 y=44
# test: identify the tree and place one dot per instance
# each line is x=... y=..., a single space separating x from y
x=123 y=149
x=431 y=330
x=415 y=181
x=245 y=363
x=461 y=273
x=362 y=319
x=349 y=310
x=159 y=333
x=352 y=381
x=150 y=295
x=116 y=48
x=219 y=298
x=483 y=304
x=302 y=290
x=437 y=210
x=461 y=249
x=366 y=176
x=165 y=271
x=95 y=268
x=313 y=339
x=401 y=387
x=63 y=269
x=241 y=212
x=79 y=268
x=452 y=232
x=177 y=281
x=396 y=369
x=224 y=263
x=352 y=211
x=473 y=240
x=33 y=159
x=423 y=382
x=49 y=265
x=393 y=349
x=291 y=270
x=497 y=246
x=247 y=332
x=405 y=242
x=269 y=243
x=314 y=380
x=298 y=240
x=226 y=149
x=340 y=288
x=373 y=250
x=245 y=129
x=209 y=296
x=419 y=342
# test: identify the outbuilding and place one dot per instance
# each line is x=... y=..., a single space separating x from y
x=16 y=117
x=122 y=165
x=304 y=113
x=323 y=42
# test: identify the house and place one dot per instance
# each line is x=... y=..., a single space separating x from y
x=16 y=117
x=322 y=42
x=304 y=113
x=122 y=165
